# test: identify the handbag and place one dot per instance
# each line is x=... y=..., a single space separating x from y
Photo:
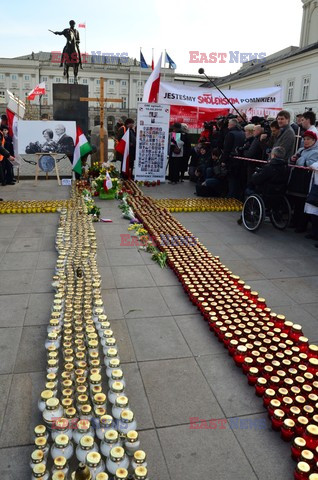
x=312 y=197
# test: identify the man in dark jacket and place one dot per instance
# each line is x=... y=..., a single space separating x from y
x=273 y=177
x=286 y=138
x=233 y=139
x=65 y=143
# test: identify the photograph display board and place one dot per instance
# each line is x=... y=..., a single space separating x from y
x=152 y=141
x=46 y=136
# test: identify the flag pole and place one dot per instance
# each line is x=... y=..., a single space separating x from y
x=139 y=66
x=164 y=66
x=85 y=37
x=152 y=61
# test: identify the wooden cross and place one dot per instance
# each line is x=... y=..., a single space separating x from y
x=101 y=100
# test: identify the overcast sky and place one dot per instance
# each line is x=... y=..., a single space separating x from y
x=178 y=26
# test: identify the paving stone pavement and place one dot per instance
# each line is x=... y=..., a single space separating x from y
x=175 y=368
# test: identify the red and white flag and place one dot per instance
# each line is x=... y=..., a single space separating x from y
x=123 y=148
x=13 y=129
x=152 y=85
x=82 y=25
x=38 y=90
x=108 y=184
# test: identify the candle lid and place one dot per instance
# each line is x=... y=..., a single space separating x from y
x=141 y=472
x=121 y=474
x=46 y=394
x=60 y=461
x=289 y=423
x=127 y=416
x=93 y=459
x=87 y=441
x=132 y=436
x=303 y=420
x=300 y=442
x=39 y=470
x=62 y=440
x=111 y=436
x=303 y=467
x=139 y=456
x=279 y=413
x=58 y=476
x=117 y=386
x=312 y=430
x=37 y=456
x=101 y=476
x=117 y=453
x=307 y=455
x=122 y=401
x=40 y=430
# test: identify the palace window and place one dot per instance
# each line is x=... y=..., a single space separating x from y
x=124 y=102
x=305 y=88
x=57 y=80
x=290 y=90
x=14 y=76
x=27 y=78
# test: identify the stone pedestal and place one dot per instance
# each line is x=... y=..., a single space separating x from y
x=67 y=104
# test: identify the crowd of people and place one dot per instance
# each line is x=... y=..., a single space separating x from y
x=223 y=161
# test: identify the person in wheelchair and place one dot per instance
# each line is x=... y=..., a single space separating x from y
x=269 y=181
x=272 y=178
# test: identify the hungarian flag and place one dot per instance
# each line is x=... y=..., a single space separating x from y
x=122 y=147
x=38 y=90
x=151 y=89
x=108 y=184
x=82 y=25
x=82 y=147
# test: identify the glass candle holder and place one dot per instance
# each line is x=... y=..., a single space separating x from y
x=302 y=471
x=288 y=430
x=311 y=436
x=300 y=425
x=278 y=419
x=297 y=446
x=260 y=386
x=268 y=396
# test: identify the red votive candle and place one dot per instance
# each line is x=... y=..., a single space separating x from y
x=240 y=355
x=302 y=471
x=260 y=386
x=278 y=419
x=288 y=430
x=297 y=446
x=311 y=436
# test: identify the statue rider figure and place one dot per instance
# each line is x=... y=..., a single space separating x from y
x=72 y=37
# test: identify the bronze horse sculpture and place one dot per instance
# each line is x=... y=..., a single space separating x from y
x=71 y=56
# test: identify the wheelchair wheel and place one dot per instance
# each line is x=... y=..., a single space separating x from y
x=280 y=214
x=253 y=213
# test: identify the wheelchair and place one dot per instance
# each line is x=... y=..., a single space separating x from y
x=259 y=206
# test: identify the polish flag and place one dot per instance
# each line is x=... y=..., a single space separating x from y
x=82 y=25
x=123 y=148
x=38 y=90
x=13 y=129
x=108 y=184
x=151 y=89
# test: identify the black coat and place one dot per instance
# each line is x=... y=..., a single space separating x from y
x=255 y=150
x=65 y=144
x=272 y=178
x=234 y=139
